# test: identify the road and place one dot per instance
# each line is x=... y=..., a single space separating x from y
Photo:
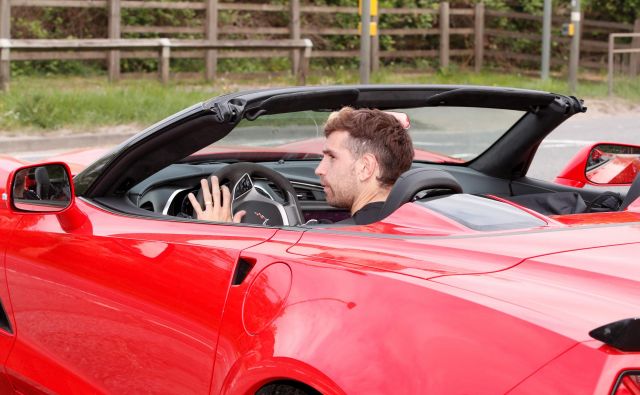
x=555 y=151
x=577 y=132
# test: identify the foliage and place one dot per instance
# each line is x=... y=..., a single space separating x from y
x=59 y=22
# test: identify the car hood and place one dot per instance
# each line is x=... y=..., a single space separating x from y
x=570 y=292
x=79 y=159
x=568 y=279
x=417 y=242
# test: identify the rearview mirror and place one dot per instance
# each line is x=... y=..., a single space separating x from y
x=41 y=188
x=602 y=164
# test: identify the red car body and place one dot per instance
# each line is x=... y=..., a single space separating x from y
x=100 y=301
x=614 y=169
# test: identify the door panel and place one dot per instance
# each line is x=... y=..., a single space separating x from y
x=126 y=305
x=7 y=337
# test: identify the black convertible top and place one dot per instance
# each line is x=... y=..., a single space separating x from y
x=205 y=123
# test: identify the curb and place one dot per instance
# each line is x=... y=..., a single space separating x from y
x=47 y=143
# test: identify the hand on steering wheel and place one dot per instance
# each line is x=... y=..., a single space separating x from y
x=215 y=208
x=245 y=202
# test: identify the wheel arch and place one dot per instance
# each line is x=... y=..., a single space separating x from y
x=249 y=376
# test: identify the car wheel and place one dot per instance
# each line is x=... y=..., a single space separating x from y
x=286 y=389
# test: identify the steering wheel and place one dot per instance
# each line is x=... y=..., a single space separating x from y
x=260 y=207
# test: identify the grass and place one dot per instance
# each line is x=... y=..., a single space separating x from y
x=81 y=104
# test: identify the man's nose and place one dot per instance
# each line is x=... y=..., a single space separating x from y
x=320 y=169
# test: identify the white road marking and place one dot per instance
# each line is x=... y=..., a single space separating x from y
x=551 y=143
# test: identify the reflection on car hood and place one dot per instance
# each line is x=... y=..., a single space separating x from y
x=79 y=159
x=424 y=243
x=315 y=145
x=567 y=278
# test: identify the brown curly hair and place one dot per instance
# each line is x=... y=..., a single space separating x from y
x=378 y=133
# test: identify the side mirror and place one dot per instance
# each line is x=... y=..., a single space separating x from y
x=602 y=164
x=44 y=188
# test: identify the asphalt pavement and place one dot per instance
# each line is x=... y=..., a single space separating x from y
x=579 y=131
x=552 y=156
x=42 y=146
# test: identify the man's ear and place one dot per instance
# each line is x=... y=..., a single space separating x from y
x=367 y=167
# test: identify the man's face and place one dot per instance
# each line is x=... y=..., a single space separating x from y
x=337 y=171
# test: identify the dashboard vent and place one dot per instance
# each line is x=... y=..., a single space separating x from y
x=305 y=194
x=147 y=206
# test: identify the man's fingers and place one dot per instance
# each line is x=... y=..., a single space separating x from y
x=402 y=117
x=206 y=193
x=238 y=216
x=195 y=204
x=226 y=202
x=215 y=192
x=217 y=203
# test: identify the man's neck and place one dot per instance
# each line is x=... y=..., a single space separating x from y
x=379 y=194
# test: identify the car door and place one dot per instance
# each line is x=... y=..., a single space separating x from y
x=7 y=332
x=119 y=304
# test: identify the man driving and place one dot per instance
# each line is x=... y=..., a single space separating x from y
x=365 y=152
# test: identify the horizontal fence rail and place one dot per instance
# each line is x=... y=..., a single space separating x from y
x=163 y=45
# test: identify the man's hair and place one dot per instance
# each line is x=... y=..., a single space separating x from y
x=378 y=133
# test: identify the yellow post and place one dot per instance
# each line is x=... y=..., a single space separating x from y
x=374 y=7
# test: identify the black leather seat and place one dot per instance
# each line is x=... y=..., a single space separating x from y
x=43 y=184
x=632 y=194
x=413 y=181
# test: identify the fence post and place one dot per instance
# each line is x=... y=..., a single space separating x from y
x=610 y=64
x=375 y=43
x=574 y=55
x=634 y=62
x=305 y=54
x=444 y=34
x=114 y=33
x=5 y=34
x=211 y=26
x=5 y=19
x=479 y=36
x=165 y=57
x=5 y=66
x=295 y=34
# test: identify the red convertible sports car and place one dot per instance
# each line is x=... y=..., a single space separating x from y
x=478 y=280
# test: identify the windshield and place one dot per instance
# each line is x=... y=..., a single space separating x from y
x=440 y=134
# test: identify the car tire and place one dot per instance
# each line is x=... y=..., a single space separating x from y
x=286 y=389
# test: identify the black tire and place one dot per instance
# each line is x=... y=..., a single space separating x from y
x=286 y=389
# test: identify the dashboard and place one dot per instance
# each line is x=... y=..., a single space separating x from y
x=166 y=192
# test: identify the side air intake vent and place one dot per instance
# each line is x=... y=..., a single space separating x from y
x=4 y=320
x=243 y=268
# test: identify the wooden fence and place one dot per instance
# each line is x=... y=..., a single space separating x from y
x=482 y=38
x=164 y=47
x=634 y=52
